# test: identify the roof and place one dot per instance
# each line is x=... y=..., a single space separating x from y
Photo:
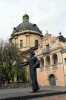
x=63 y=49
x=26 y=26
x=62 y=38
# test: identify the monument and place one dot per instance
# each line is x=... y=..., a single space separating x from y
x=33 y=63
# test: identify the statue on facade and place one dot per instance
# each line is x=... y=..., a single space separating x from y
x=33 y=63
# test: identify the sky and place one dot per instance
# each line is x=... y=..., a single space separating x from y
x=46 y=14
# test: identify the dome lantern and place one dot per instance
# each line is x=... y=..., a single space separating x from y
x=25 y=18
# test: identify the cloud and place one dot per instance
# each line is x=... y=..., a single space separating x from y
x=51 y=16
x=47 y=14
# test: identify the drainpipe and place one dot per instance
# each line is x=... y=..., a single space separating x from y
x=63 y=67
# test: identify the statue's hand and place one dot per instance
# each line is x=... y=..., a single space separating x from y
x=34 y=65
x=37 y=64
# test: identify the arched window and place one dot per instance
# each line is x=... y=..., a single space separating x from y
x=21 y=43
x=48 y=61
x=47 y=47
x=55 y=59
x=36 y=42
x=42 y=62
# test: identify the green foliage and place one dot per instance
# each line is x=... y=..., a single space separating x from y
x=10 y=60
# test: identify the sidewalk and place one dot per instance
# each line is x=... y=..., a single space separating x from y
x=24 y=93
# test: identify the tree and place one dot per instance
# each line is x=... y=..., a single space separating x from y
x=10 y=59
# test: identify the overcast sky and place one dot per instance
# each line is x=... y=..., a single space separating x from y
x=47 y=14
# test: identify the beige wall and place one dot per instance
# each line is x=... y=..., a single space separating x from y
x=28 y=40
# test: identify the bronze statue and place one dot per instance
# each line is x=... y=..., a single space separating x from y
x=33 y=63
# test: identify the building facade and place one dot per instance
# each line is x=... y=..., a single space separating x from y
x=26 y=36
x=52 y=55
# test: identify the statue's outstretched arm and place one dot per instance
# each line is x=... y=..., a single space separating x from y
x=24 y=64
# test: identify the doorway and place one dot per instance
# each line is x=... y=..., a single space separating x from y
x=52 y=80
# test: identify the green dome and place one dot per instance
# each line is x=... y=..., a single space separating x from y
x=25 y=18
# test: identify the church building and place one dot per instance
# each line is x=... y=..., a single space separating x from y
x=26 y=36
x=50 y=50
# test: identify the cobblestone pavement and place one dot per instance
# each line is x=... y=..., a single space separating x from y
x=59 y=97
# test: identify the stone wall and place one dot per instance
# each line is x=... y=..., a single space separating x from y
x=15 y=85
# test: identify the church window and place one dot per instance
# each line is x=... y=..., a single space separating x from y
x=36 y=42
x=21 y=43
x=47 y=47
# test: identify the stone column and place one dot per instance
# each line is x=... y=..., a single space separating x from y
x=45 y=63
x=51 y=61
x=59 y=59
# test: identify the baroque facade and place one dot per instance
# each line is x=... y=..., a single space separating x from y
x=52 y=55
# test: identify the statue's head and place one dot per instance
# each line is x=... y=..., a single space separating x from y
x=32 y=53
